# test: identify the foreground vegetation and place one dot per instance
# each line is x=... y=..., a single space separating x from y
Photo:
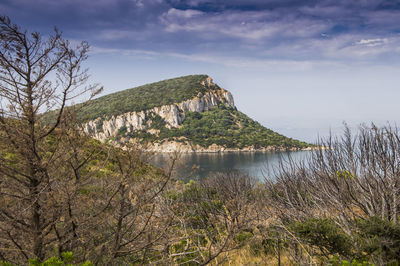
x=123 y=211
x=221 y=125
x=68 y=199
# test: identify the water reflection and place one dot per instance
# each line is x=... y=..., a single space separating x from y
x=200 y=165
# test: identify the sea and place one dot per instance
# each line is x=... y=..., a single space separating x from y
x=196 y=166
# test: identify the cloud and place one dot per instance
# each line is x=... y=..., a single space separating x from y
x=185 y=14
x=245 y=25
x=270 y=30
x=372 y=42
x=215 y=58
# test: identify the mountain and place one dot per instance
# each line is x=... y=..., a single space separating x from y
x=189 y=113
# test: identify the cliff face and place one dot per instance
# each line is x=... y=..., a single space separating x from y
x=173 y=115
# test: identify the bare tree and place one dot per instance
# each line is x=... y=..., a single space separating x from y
x=212 y=217
x=359 y=177
x=347 y=180
x=37 y=75
x=131 y=223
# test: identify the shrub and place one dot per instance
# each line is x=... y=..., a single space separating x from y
x=325 y=235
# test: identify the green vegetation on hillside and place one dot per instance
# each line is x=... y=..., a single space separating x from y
x=222 y=126
x=144 y=97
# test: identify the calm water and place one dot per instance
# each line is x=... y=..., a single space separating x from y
x=198 y=166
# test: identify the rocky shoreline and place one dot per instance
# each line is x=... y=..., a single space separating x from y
x=185 y=147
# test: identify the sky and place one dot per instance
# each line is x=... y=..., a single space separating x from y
x=301 y=68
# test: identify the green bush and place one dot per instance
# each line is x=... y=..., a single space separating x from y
x=122 y=131
x=335 y=261
x=67 y=259
x=380 y=238
x=325 y=235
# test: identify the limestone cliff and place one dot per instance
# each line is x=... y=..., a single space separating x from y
x=174 y=114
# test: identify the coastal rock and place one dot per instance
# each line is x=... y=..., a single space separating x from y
x=187 y=147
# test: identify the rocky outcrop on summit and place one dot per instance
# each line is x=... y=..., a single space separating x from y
x=174 y=114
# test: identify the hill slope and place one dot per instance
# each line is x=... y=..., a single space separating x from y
x=188 y=113
x=145 y=97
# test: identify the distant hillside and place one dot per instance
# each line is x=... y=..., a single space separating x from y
x=145 y=97
x=188 y=113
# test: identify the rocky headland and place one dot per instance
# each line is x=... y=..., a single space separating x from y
x=154 y=123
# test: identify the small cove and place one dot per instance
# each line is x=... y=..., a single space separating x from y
x=200 y=165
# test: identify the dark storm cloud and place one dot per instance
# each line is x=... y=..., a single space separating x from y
x=295 y=29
